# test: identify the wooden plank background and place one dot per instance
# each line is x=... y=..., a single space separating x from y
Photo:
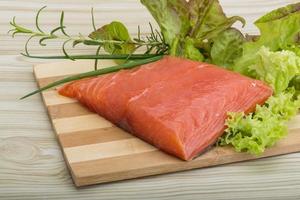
x=31 y=164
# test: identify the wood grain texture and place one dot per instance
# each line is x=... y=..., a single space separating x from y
x=106 y=161
x=31 y=163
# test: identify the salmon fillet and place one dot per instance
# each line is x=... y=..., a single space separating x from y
x=177 y=105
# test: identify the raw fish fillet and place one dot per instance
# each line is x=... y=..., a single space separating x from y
x=177 y=105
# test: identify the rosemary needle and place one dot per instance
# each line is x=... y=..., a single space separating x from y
x=128 y=65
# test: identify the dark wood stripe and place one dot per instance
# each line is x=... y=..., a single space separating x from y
x=68 y=110
x=141 y=164
x=93 y=137
x=157 y=162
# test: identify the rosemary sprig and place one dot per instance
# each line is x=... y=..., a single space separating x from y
x=154 y=43
x=128 y=65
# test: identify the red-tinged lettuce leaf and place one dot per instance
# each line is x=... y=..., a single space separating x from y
x=189 y=28
x=273 y=57
x=208 y=19
x=172 y=17
x=279 y=30
x=114 y=31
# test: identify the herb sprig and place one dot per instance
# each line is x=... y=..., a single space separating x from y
x=112 y=38
x=201 y=31
x=176 y=20
x=154 y=43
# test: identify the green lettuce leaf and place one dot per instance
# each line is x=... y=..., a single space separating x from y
x=255 y=132
x=227 y=47
x=276 y=68
x=191 y=52
x=172 y=16
x=114 y=31
x=186 y=48
x=296 y=83
x=279 y=30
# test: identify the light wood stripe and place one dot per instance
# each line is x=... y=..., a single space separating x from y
x=93 y=136
x=80 y=123
x=294 y=123
x=112 y=169
x=154 y=162
x=45 y=81
x=96 y=151
x=53 y=98
x=31 y=164
x=65 y=68
x=107 y=150
x=68 y=110
x=101 y=135
x=62 y=68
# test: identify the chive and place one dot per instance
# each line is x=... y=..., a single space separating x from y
x=100 y=56
x=107 y=70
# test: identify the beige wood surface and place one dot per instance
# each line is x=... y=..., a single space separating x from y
x=96 y=151
x=31 y=163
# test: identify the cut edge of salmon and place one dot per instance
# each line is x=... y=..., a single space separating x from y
x=171 y=143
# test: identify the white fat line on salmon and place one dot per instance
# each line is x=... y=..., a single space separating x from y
x=139 y=95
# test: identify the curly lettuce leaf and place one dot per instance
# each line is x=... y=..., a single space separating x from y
x=114 y=31
x=296 y=83
x=276 y=68
x=279 y=30
x=257 y=131
x=227 y=47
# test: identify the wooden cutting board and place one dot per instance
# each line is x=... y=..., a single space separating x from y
x=96 y=151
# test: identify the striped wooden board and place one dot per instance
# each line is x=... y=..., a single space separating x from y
x=96 y=151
